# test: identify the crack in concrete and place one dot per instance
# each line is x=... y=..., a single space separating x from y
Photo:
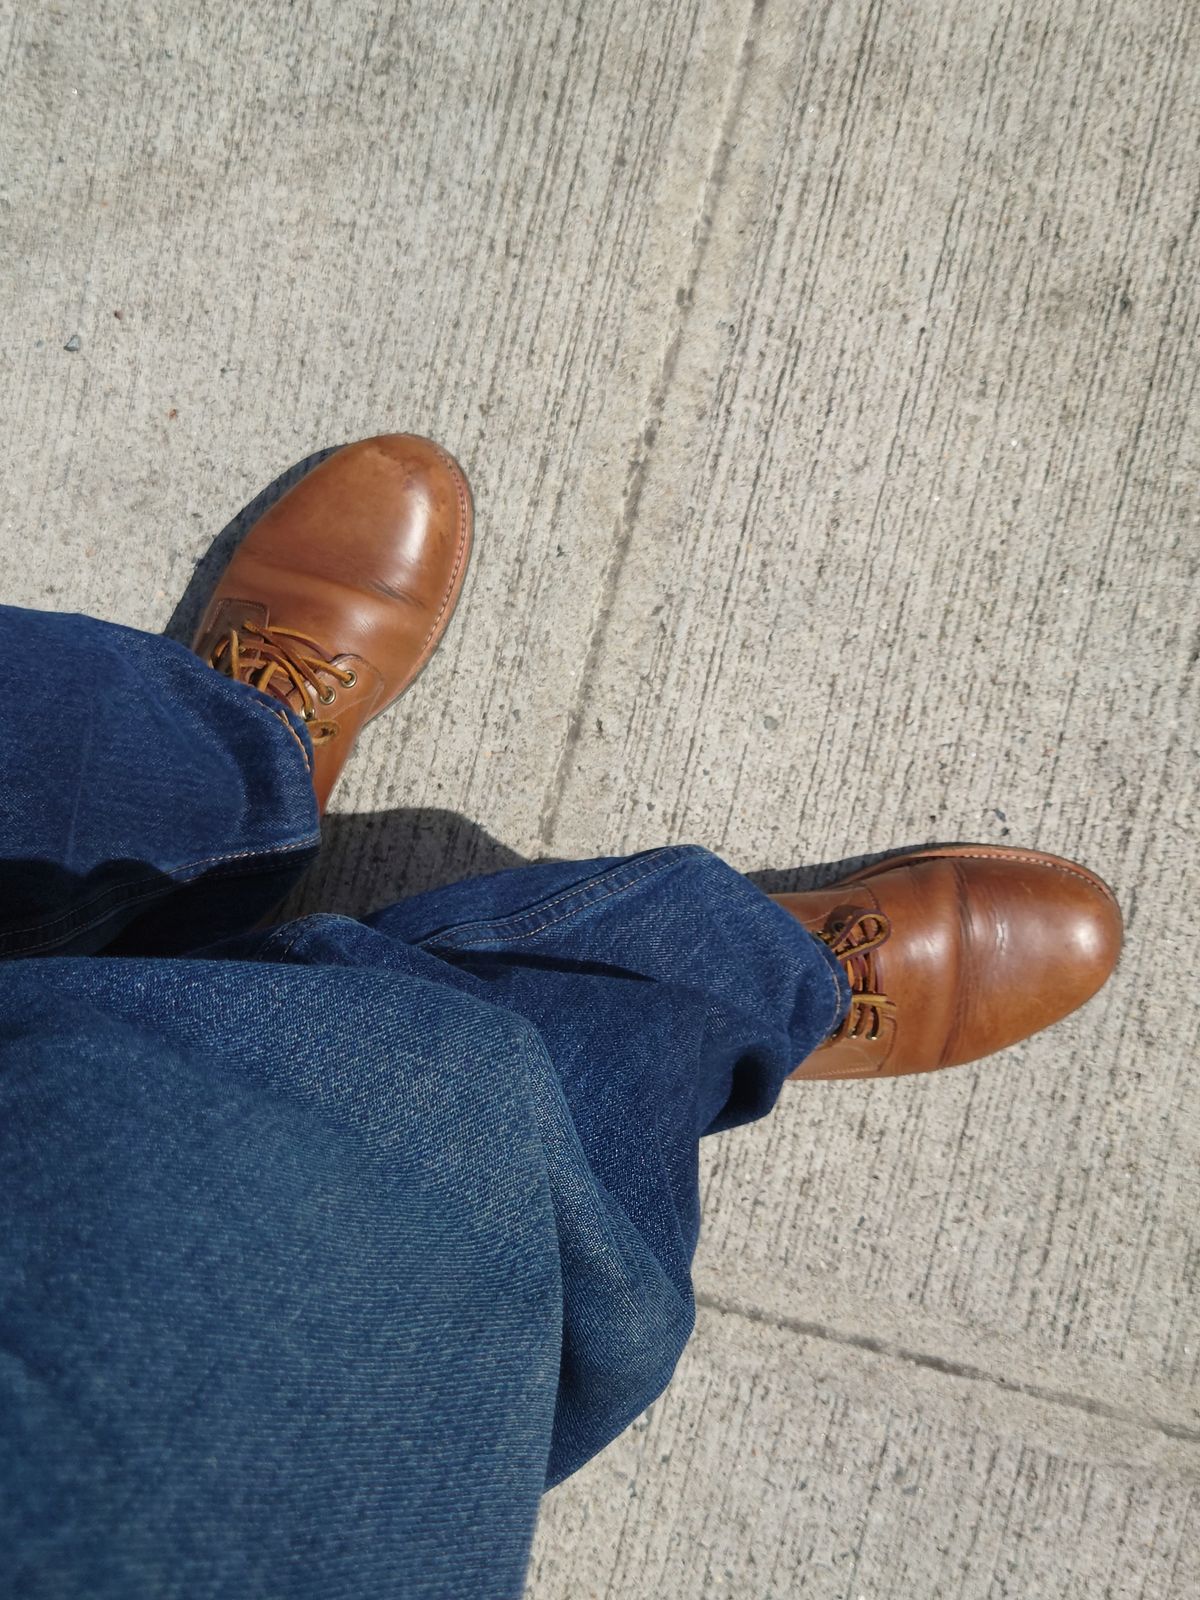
x=953 y=1369
x=643 y=446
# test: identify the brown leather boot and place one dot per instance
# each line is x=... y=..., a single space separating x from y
x=341 y=592
x=956 y=951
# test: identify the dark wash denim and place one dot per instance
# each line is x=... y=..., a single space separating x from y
x=326 y=1249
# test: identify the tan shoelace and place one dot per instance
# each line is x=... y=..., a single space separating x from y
x=260 y=656
x=853 y=939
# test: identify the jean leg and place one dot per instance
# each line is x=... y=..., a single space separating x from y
x=130 y=772
x=279 y=1284
x=572 y=945
x=324 y=1259
x=672 y=999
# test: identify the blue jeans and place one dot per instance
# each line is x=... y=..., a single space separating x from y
x=326 y=1248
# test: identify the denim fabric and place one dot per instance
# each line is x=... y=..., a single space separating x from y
x=279 y=1302
x=130 y=769
x=327 y=1248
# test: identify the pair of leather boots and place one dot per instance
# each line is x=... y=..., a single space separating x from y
x=340 y=594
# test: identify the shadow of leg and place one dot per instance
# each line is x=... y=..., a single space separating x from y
x=795 y=880
x=372 y=859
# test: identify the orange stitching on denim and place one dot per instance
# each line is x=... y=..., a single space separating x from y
x=828 y=969
x=283 y=717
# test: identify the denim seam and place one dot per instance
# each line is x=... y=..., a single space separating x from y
x=839 y=1000
x=299 y=741
x=583 y=893
x=281 y=951
x=119 y=893
x=264 y=701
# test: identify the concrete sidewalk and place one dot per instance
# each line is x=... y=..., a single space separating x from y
x=826 y=374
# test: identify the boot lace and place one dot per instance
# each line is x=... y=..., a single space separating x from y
x=853 y=937
x=282 y=662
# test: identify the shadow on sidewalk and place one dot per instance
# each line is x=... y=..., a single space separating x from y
x=372 y=859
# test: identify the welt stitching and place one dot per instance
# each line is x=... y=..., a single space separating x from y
x=456 y=471
x=1020 y=855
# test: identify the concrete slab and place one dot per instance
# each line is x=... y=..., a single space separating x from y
x=320 y=222
x=827 y=376
x=915 y=558
x=777 y=1467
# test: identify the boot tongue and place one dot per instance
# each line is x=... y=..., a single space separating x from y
x=270 y=678
x=260 y=653
x=855 y=937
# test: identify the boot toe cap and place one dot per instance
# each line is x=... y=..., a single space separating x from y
x=1090 y=935
x=1047 y=937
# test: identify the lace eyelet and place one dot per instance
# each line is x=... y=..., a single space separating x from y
x=351 y=678
x=326 y=696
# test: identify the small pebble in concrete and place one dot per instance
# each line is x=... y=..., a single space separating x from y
x=74 y=343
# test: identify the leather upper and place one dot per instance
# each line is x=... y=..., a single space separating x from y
x=364 y=557
x=985 y=945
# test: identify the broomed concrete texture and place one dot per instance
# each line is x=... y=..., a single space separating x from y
x=826 y=374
